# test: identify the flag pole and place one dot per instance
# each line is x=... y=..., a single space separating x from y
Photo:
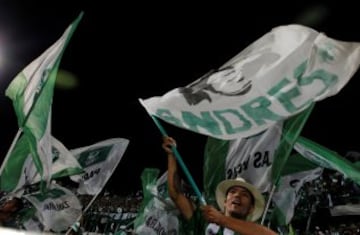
x=179 y=159
x=268 y=204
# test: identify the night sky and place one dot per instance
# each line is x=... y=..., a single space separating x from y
x=123 y=52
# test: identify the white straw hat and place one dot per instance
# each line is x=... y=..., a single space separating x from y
x=259 y=201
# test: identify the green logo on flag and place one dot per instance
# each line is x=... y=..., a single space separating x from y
x=94 y=156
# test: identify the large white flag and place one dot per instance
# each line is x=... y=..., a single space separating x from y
x=58 y=208
x=98 y=162
x=32 y=93
x=276 y=77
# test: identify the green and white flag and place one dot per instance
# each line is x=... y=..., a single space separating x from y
x=313 y=157
x=297 y=172
x=158 y=214
x=258 y=159
x=327 y=158
x=279 y=75
x=98 y=162
x=250 y=158
x=31 y=92
x=20 y=171
x=58 y=208
x=63 y=161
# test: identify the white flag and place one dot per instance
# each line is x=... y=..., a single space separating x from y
x=99 y=162
x=252 y=158
x=276 y=77
x=286 y=196
x=58 y=208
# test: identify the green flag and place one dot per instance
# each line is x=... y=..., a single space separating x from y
x=327 y=158
x=291 y=130
x=19 y=169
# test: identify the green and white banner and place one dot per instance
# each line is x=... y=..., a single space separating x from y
x=258 y=159
x=286 y=195
x=31 y=92
x=63 y=161
x=158 y=214
x=327 y=158
x=98 y=162
x=279 y=75
x=250 y=158
x=20 y=171
x=58 y=208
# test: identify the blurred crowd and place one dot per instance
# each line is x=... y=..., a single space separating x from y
x=111 y=213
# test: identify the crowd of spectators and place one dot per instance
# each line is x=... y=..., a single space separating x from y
x=312 y=213
x=110 y=212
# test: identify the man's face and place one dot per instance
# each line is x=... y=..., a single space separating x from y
x=238 y=202
x=229 y=81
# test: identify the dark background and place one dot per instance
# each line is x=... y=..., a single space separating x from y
x=124 y=51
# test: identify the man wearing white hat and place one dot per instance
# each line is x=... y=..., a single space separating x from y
x=241 y=204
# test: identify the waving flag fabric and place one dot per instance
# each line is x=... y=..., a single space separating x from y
x=298 y=172
x=274 y=78
x=31 y=92
x=58 y=208
x=19 y=170
x=158 y=214
x=63 y=162
x=327 y=158
x=98 y=162
x=303 y=167
x=258 y=159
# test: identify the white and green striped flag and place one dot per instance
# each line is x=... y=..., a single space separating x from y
x=58 y=208
x=98 y=162
x=31 y=92
x=276 y=77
